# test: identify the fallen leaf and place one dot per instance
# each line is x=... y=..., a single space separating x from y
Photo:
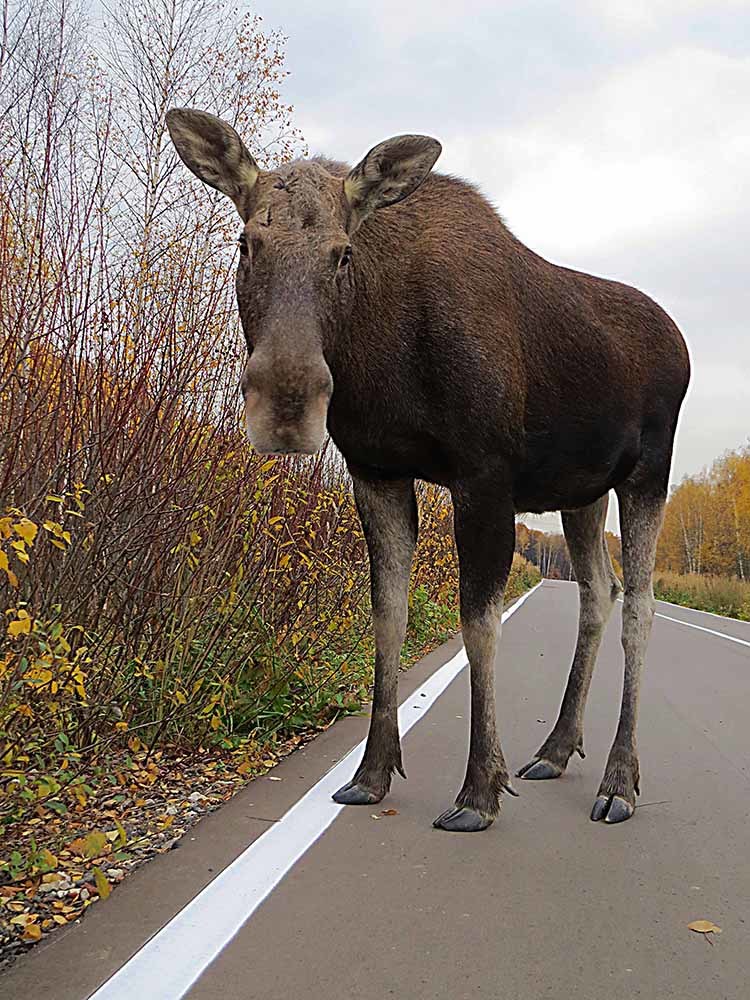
x=32 y=932
x=272 y=778
x=375 y=816
x=389 y=812
x=704 y=927
x=102 y=885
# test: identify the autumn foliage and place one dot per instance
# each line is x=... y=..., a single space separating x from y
x=707 y=522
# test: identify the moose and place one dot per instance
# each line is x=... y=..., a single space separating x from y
x=391 y=307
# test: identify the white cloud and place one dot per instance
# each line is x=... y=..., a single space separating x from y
x=661 y=145
x=644 y=15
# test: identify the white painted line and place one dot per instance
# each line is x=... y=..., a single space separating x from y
x=172 y=960
x=701 y=628
x=700 y=611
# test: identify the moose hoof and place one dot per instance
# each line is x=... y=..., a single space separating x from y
x=462 y=819
x=539 y=769
x=611 y=809
x=355 y=794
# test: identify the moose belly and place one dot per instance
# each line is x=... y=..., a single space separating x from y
x=563 y=472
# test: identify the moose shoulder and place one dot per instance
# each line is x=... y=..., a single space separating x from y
x=393 y=307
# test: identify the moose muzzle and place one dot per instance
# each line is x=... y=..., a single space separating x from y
x=286 y=404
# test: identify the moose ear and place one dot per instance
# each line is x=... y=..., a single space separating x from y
x=389 y=173
x=214 y=152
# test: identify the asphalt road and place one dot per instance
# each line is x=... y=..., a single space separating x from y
x=543 y=904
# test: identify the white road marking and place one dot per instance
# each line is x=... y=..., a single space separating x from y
x=700 y=611
x=702 y=628
x=173 y=959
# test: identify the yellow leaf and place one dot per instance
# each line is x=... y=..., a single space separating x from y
x=3 y=561
x=215 y=722
x=102 y=885
x=32 y=932
x=12 y=578
x=90 y=846
x=27 y=530
x=268 y=465
x=22 y=626
x=704 y=927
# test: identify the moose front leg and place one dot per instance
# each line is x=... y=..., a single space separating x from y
x=388 y=511
x=485 y=539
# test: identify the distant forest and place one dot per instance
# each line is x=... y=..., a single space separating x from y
x=549 y=551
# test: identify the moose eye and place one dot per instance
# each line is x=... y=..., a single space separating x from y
x=346 y=257
x=242 y=241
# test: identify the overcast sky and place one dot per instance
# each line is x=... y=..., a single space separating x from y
x=612 y=135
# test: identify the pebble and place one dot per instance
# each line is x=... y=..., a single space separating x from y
x=171 y=810
x=116 y=873
x=84 y=894
x=195 y=797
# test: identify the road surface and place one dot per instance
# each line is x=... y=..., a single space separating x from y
x=331 y=902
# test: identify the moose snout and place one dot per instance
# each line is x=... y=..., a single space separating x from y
x=286 y=405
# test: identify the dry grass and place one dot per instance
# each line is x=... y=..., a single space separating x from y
x=721 y=595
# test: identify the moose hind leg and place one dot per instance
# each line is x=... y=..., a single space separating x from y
x=485 y=538
x=641 y=517
x=598 y=588
x=388 y=511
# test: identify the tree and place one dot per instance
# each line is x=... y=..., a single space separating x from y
x=707 y=520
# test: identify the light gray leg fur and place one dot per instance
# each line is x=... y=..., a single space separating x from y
x=598 y=588
x=388 y=511
x=640 y=519
x=485 y=536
